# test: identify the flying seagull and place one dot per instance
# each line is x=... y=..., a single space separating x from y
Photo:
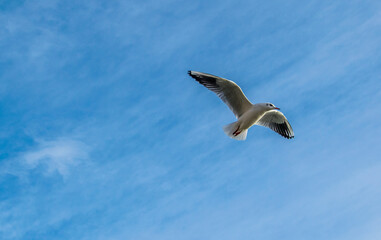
x=248 y=114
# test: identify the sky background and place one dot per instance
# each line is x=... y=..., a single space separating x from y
x=103 y=135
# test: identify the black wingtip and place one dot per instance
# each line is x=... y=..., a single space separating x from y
x=190 y=73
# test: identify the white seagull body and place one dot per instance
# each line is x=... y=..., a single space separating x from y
x=247 y=114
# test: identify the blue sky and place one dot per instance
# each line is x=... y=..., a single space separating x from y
x=104 y=136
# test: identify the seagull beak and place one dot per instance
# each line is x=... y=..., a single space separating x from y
x=277 y=108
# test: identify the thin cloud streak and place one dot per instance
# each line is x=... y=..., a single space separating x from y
x=59 y=155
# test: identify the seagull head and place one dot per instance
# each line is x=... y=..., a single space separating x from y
x=270 y=106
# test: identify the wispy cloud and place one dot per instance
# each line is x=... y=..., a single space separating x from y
x=57 y=156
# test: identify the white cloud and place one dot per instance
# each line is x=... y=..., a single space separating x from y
x=58 y=155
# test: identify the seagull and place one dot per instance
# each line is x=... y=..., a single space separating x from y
x=247 y=114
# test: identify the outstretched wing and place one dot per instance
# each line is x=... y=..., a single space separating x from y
x=227 y=90
x=276 y=121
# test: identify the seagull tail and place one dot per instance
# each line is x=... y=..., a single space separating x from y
x=231 y=130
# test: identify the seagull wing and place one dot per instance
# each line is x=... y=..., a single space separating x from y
x=276 y=121
x=229 y=92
